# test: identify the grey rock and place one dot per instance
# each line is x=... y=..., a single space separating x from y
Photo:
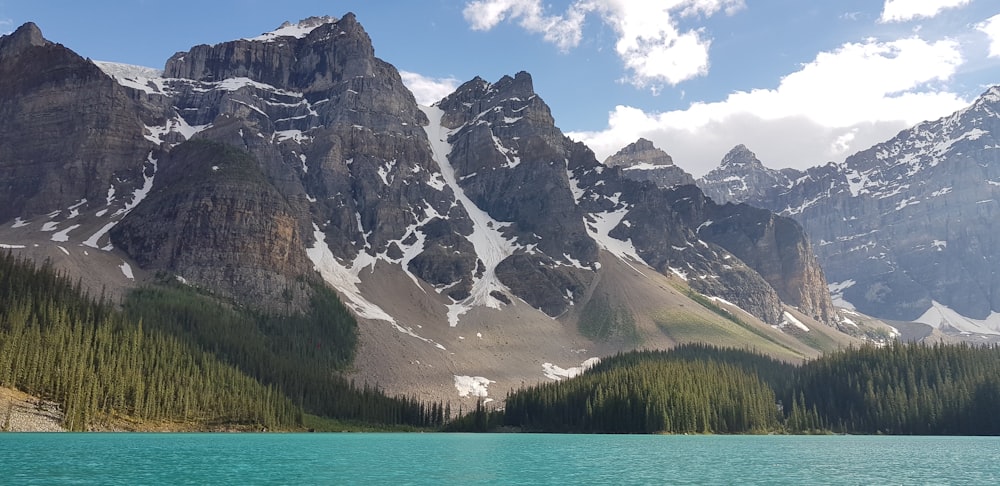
x=910 y=220
x=68 y=132
x=642 y=161
x=742 y=177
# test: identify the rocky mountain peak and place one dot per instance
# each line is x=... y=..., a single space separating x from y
x=740 y=176
x=301 y=28
x=642 y=161
x=309 y=56
x=520 y=86
x=641 y=151
x=25 y=36
x=509 y=98
x=67 y=133
x=740 y=156
x=991 y=96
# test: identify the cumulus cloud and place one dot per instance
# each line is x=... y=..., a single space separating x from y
x=843 y=101
x=650 y=43
x=427 y=90
x=563 y=30
x=991 y=27
x=905 y=10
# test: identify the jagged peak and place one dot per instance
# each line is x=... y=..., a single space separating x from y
x=991 y=95
x=475 y=85
x=25 y=36
x=520 y=86
x=642 y=144
x=740 y=156
x=301 y=28
x=640 y=151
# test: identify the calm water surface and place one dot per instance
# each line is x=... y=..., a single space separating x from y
x=493 y=459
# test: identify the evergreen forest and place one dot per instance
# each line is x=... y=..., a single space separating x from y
x=170 y=354
x=899 y=389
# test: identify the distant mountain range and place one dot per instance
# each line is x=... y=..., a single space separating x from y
x=905 y=230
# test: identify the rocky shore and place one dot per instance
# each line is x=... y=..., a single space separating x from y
x=20 y=412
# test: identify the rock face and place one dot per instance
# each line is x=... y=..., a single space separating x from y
x=776 y=261
x=339 y=138
x=742 y=177
x=509 y=159
x=642 y=161
x=215 y=218
x=253 y=163
x=907 y=225
x=68 y=133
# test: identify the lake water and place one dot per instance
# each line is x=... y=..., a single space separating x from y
x=100 y=458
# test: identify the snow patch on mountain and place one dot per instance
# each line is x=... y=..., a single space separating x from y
x=345 y=280
x=490 y=244
x=177 y=124
x=141 y=78
x=789 y=319
x=941 y=316
x=296 y=30
x=63 y=235
x=837 y=293
x=127 y=270
x=476 y=386
x=599 y=227
x=557 y=373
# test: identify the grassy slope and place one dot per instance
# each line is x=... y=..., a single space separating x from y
x=661 y=313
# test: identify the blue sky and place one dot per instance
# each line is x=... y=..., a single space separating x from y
x=800 y=82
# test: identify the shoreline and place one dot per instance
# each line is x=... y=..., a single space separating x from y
x=21 y=412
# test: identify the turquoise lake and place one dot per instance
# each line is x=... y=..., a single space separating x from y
x=111 y=458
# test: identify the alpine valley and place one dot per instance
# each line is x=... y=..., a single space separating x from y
x=478 y=247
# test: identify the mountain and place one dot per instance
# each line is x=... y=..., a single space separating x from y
x=905 y=229
x=642 y=161
x=477 y=245
x=743 y=177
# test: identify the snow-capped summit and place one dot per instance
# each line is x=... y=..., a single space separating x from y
x=297 y=30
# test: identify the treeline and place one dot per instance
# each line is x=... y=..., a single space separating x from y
x=900 y=389
x=300 y=355
x=693 y=389
x=59 y=344
x=173 y=354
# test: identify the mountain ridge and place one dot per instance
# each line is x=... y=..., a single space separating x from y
x=904 y=227
x=259 y=166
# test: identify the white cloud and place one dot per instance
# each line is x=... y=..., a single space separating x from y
x=904 y=10
x=991 y=27
x=563 y=30
x=841 y=102
x=428 y=91
x=650 y=43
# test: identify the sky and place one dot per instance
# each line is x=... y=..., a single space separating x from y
x=799 y=82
